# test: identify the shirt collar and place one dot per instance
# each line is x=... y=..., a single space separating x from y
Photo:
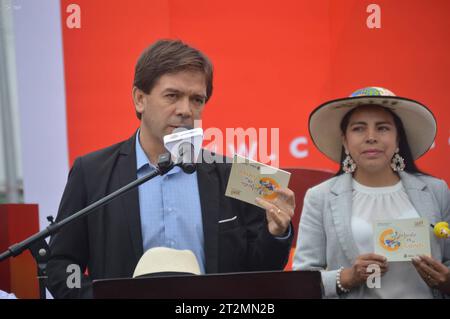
x=142 y=159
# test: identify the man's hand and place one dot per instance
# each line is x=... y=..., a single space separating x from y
x=279 y=211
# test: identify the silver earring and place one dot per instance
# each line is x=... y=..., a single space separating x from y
x=348 y=165
x=397 y=162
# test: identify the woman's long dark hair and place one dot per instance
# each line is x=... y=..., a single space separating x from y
x=404 y=149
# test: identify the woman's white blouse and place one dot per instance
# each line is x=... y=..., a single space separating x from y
x=377 y=203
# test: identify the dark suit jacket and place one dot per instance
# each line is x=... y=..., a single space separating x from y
x=108 y=242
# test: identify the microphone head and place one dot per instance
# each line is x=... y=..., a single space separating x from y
x=186 y=154
x=441 y=230
x=185 y=145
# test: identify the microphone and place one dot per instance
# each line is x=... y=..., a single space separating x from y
x=186 y=157
x=38 y=246
x=441 y=230
x=184 y=144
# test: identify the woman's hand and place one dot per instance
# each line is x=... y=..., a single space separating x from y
x=434 y=273
x=357 y=274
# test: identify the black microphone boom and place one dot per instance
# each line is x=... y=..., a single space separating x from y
x=39 y=247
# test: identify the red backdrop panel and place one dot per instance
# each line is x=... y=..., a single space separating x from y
x=274 y=62
x=18 y=274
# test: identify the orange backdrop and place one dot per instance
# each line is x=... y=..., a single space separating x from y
x=274 y=62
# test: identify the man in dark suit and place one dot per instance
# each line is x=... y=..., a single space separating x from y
x=172 y=84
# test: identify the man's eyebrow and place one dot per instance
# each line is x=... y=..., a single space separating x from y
x=203 y=96
x=172 y=90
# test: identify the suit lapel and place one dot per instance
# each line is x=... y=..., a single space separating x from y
x=425 y=205
x=126 y=166
x=341 y=210
x=209 y=201
x=419 y=197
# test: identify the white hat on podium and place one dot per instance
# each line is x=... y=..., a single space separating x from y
x=163 y=261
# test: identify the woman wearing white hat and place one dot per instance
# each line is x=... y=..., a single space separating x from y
x=375 y=136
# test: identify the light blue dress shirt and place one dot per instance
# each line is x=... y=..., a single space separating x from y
x=170 y=209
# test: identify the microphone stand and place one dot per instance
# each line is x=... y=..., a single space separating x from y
x=37 y=244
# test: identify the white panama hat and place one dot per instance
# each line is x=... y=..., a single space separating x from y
x=166 y=261
x=325 y=120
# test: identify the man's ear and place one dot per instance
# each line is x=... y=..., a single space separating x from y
x=138 y=99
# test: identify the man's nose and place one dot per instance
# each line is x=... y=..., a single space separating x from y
x=184 y=107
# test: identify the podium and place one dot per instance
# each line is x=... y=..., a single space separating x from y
x=248 y=285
